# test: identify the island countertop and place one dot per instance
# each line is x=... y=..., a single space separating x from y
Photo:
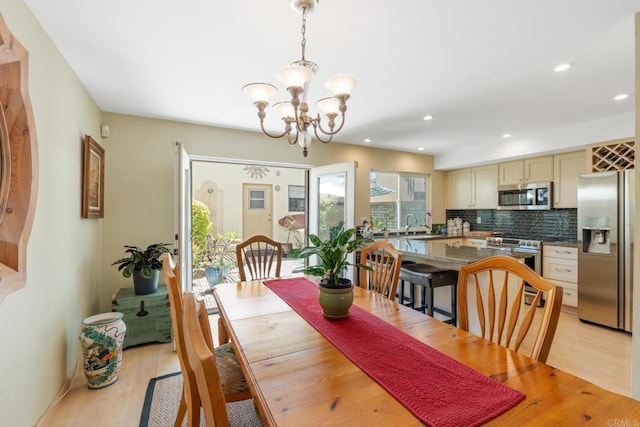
x=447 y=251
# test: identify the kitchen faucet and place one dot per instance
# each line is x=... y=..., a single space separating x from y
x=409 y=224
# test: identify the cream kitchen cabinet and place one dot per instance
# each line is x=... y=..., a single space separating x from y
x=560 y=266
x=537 y=169
x=566 y=168
x=473 y=188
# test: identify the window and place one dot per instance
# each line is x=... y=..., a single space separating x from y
x=394 y=196
x=296 y=198
x=257 y=199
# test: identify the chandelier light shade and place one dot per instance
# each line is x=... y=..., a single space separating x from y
x=260 y=92
x=294 y=113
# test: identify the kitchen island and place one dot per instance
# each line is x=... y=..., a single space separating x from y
x=451 y=254
x=446 y=252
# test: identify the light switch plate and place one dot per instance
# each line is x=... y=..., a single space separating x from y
x=478 y=220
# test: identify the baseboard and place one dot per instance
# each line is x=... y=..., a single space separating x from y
x=62 y=392
x=569 y=309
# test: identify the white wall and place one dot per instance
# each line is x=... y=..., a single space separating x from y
x=39 y=324
x=227 y=179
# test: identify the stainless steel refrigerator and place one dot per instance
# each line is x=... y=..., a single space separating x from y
x=605 y=248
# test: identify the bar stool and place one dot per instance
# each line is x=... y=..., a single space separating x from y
x=406 y=301
x=429 y=277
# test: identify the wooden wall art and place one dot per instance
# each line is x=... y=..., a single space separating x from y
x=92 y=179
x=18 y=162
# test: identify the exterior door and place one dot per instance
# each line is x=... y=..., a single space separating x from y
x=331 y=201
x=182 y=214
x=257 y=210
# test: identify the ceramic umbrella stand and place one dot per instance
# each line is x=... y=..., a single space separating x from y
x=102 y=336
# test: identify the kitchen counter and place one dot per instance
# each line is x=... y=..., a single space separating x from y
x=424 y=236
x=439 y=251
x=428 y=237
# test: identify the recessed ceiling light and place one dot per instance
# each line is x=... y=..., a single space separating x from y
x=367 y=140
x=506 y=135
x=562 y=67
x=428 y=117
x=621 y=96
x=420 y=148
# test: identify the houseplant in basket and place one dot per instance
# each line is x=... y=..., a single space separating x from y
x=218 y=256
x=144 y=266
x=335 y=293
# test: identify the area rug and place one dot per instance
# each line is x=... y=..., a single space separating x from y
x=163 y=398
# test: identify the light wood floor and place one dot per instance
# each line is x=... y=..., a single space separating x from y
x=598 y=354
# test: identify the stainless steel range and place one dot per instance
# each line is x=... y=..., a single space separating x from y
x=533 y=247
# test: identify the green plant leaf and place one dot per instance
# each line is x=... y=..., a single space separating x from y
x=139 y=260
x=332 y=254
x=315 y=240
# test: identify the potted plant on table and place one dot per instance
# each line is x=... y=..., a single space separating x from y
x=335 y=293
x=218 y=256
x=144 y=266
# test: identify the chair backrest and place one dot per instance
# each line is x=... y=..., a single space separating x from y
x=260 y=256
x=505 y=277
x=196 y=330
x=190 y=389
x=385 y=262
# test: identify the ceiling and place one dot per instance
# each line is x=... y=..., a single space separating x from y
x=480 y=68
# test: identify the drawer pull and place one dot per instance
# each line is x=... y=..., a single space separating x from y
x=142 y=311
x=563 y=270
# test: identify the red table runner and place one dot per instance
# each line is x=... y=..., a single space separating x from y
x=437 y=389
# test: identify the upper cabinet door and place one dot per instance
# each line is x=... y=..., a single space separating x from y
x=538 y=169
x=459 y=189
x=512 y=172
x=473 y=188
x=485 y=187
x=566 y=169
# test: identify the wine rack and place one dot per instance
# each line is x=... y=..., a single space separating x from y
x=613 y=156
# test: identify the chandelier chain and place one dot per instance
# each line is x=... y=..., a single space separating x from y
x=304 y=30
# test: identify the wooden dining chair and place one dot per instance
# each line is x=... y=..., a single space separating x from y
x=261 y=257
x=204 y=362
x=235 y=383
x=385 y=262
x=499 y=285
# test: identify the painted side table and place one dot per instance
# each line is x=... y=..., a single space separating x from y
x=147 y=317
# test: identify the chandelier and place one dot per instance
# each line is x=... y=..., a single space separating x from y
x=295 y=113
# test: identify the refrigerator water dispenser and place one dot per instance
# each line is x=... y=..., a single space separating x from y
x=596 y=241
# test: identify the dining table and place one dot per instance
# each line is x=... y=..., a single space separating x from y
x=300 y=374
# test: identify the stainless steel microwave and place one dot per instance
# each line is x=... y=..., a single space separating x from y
x=527 y=196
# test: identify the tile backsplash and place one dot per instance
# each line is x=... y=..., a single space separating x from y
x=552 y=224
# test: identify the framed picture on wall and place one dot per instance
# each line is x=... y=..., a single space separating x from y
x=92 y=179
x=296 y=198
